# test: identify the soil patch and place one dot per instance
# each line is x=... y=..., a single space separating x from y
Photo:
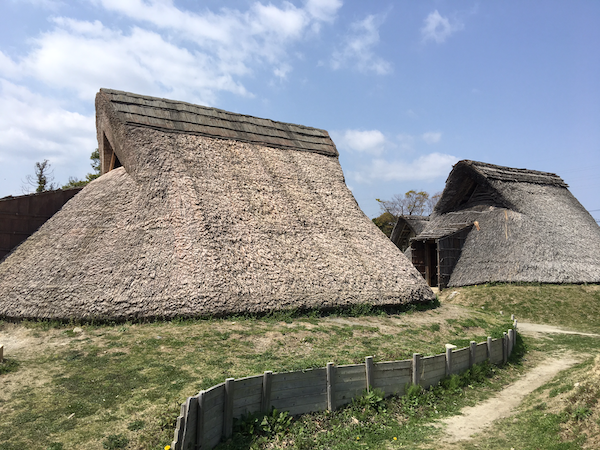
x=476 y=418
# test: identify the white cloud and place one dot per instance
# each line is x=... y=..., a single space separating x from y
x=324 y=10
x=357 y=50
x=40 y=127
x=439 y=28
x=370 y=141
x=432 y=137
x=424 y=168
x=169 y=51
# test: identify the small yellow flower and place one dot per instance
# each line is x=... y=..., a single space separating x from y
x=167 y=447
x=358 y=438
x=395 y=438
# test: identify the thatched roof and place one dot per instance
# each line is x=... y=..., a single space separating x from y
x=527 y=227
x=406 y=227
x=195 y=223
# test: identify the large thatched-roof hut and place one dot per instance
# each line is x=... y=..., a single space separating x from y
x=499 y=224
x=205 y=212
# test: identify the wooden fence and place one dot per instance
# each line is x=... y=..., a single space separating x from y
x=207 y=418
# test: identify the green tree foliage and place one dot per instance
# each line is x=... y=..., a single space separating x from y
x=412 y=203
x=42 y=180
x=75 y=182
x=385 y=222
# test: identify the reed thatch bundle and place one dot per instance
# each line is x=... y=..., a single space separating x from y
x=526 y=227
x=254 y=217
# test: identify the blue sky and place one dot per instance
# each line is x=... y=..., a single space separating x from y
x=405 y=88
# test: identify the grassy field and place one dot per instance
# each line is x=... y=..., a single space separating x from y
x=120 y=386
x=569 y=305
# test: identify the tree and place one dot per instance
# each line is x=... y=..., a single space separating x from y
x=74 y=182
x=42 y=181
x=412 y=203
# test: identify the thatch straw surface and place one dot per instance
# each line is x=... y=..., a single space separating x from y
x=531 y=228
x=193 y=225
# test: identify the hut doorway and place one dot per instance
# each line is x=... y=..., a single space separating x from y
x=425 y=259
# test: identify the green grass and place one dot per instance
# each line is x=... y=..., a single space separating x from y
x=121 y=385
x=569 y=305
x=561 y=415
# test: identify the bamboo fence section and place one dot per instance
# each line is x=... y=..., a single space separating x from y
x=207 y=418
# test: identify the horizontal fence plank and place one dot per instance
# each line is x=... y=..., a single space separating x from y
x=385 y=366
x=496 y=356
x=460 y=360
x=302 y=391
x=302 y=406
x=432 y=363
x=350 y=374
x=348 y=391
x=480 y=352
x=393 y=386
x=287 y=380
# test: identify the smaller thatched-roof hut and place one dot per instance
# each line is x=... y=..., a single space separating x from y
x=500 y=224
x=406 y=228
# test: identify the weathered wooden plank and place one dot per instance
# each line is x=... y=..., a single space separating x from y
x=214 y=392
x=440 y=371
x=385 y=366
x=388 y=374
x=496 y=350
x=480 y=352
x=297 y=379
x=179 y=429
x=248 y=387
x=394 y=385
x=303 y=407
x=301 y=391
x=189 y=433
x=460 y=360
x=213 y=430
x=200 y=423
x=246 y=405
x=346 y=374
x=434 y=363
x=349 y=390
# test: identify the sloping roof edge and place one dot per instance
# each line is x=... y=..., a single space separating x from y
x=181 y=117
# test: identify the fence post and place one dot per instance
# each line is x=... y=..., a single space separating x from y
x=330 y=386
x=449 y=350
x=178 y=437
x=472 y=347
x=369 y=371
x=489 y=348
x=200 y=425
x=1 y=353
x=265 y=400
x=191 y=420
x=504 y=348
x=416 y=369
x=228 y=408
x=511 y=341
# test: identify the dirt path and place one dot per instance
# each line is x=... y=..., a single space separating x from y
x=476 y=418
